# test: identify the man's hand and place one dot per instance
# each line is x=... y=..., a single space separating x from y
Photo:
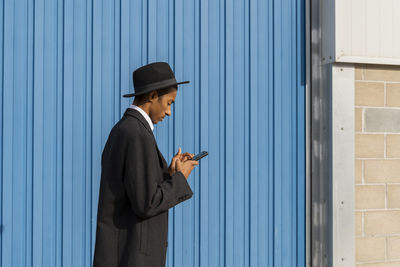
x=181 y=157
x=186 y=167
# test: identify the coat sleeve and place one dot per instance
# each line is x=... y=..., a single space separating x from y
x=149 y=196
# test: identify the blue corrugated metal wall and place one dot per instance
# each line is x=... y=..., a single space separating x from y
x=66 y=63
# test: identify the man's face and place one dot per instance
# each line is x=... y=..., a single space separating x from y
x=161 y=106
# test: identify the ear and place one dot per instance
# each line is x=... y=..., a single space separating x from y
x=153 y=96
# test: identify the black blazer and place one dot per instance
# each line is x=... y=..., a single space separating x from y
x=136 y=192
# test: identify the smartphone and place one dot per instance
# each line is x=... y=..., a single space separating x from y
x=200 y=155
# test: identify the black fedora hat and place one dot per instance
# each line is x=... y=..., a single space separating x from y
x=154 y=76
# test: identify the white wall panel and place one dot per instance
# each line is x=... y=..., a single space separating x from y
x=364 y=31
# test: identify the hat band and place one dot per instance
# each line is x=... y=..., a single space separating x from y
x=156 y=85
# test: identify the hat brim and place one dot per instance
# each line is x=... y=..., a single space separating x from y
x=154 y=89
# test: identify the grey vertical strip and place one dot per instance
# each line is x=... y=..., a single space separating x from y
x=321 y=146
x=308 y=134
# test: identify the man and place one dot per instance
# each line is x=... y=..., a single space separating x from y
x=137 y=187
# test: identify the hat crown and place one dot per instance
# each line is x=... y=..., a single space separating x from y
x=152 y=73
x=153 y=76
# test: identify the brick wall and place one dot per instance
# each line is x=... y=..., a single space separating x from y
x=377 y=165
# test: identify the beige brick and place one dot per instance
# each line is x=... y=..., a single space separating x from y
x=384 y=264
x=370 y=196
x=369 y=94
x=393 y=145
x=359 y=72
x=393 y=195
x=358 y=171
x=378 y=171
x=369 y=145
x=393 y=247
x=382 y=73
x=381 y=120
x=370 y=249
x=393 y=94
x=358 y=119
x=358 y=224
x=381 y=222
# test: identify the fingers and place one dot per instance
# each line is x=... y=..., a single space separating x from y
x=192 y=162
x=174 y=159
x=178 y=153
x=186 y=167
x=186 y=156
x=178 y=164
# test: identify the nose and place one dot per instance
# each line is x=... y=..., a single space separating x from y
x=168 y=112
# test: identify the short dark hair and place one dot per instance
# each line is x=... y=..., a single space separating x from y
x=141 y=99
